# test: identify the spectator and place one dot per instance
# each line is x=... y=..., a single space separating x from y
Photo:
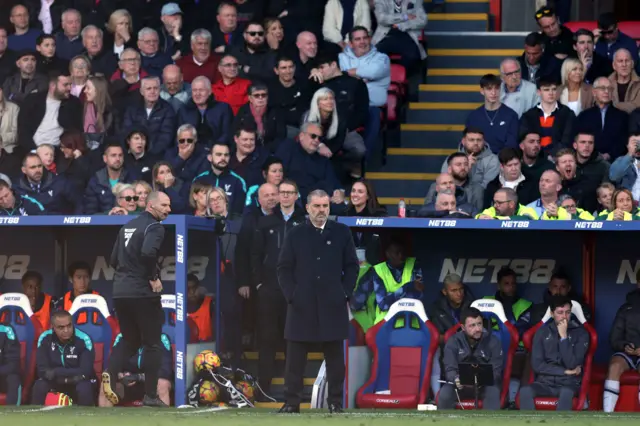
x=557 y=357
x=44 y=116
x=126 y=200
x=142 y=189
x=138 y=159
x=272 y=172
x=60 y=370
x=201 y=62
x=591 y=164
x=446 y=311
x=46 y=59
x=80 y=70
x=256 y=61
x=594 y=65
x=534 y=162
x=247 y=158
x=605 y=195
x=340 y=17
x=307 y=49
x=468 y=194
x=165 y=180
x=623 y=172
x=569 y=204
x=8 y=125
x=472 y=344
x=505 y=132
x=12 y=204
x=579 y=186
x=557 y=39
x=574 y=92
x=198 y=197
x=153 y=60
x=25 y=80
x=363 y=202
x=289 y=95
x=42 y=304
x=609 y=39
x=518 y=94
x=625 y=82
x=7 y=57
x=517 y=309
x=623 y=207
x=230 y=88
x=219 y=175
x=79 y=276
x=305 y=165
x=46 y=153
x=250 y=10
x=559 y=285
x=484 y=164
x=227 y=32
x=274 y=35
x=297 y=16
x=553 y=121
x=211 y=119
x=74 y=163
x=188 y=157
x=506 y=206
x=24 y=37
x=153 y=114
x=534 y=63
x=445 y=206
x=98 y=196
x=48 y=15
x=68 y=41
x=549 y=186
x=119 y=35
x=125 y=82
x=98 y=119
x=54 y=193
x=623 y=339
x=400 y=25
x=607 y=123
x=103 y=60
x=174 y=90
x=171 y=40
x=511 y=176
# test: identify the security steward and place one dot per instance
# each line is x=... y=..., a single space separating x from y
x=473 y=344
x=64 y=361
x=267 y=240
x=317 y=272
x=9 y=364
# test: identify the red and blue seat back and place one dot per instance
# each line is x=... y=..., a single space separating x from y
x=403 y=347
x=15 y=310
x=100 y=326
x=356 y=334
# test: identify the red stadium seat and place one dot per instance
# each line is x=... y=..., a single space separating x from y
x=391 y=108
x=403 y=346
x=587 y=25
x=508 y=335
x=550 y=403
x=631 y=28
x=398 y=80
x=356 y=334
x=15 y=307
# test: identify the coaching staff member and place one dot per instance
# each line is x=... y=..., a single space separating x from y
x=317 y=271
x=136 y=297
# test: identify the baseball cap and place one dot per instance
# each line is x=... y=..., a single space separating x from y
x=170 y=9
x=26 y=52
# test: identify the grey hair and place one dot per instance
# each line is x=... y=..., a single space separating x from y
x=446 y=192
x=131 y=50
x=506 y=60
x=149 y=78
x=314 y=111
x=202 y=78
x=201 y=32
x=119 y=188
x=615 y=55
x=187 y=128
x=510 y=193
x=306 y=124
x=70 y=11
x=316 y=193
x=91 y=27
x=146 y=30
x=452 y=279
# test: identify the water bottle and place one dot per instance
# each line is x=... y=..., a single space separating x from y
x=402 y=208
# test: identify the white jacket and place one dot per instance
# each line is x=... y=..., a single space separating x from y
x=8 y=125
x=333 y=14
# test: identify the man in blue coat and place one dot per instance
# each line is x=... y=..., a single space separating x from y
x=189 y=157
x=317 y=272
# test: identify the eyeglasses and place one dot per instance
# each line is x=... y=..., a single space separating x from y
x=604 y=88
x=129 y=60
x=129 y=198
x=512 y=73
x=255 y=33
x=188 y=140
x=259 y=95
x=609 y=31
x=545 y=13
x=499 y=203
x=152 y=41
x=315 y=136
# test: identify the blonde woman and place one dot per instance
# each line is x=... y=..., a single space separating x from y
x=217 y=202
x=143 y=189
x=126 y=200
x=574 y=92
x=198 y=198
x=119 y=34
x=274 y=33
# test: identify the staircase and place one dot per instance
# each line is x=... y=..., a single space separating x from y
x=460 y=50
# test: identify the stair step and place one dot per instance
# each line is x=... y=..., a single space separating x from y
x=414 y=190
x=420 y=151
x=463 y=6
x=415 y=162
x=475 y=40
x=449 y=93
x=441 y=139
x=440 y=112
x=458 y=22
x=458 y=76
x=463 y=58
x=401 y=176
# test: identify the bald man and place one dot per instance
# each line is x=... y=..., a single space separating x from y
x=626 y=91
x=174 y=89
x=307 y=45
x=518 y=94
x=469 y=196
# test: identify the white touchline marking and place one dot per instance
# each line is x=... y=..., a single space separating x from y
x=33 y=410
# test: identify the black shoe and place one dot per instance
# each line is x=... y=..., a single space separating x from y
x=108 y=389
x=153 y=402
x=289 y=409
x=335 y=409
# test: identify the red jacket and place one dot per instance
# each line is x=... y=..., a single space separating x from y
x=191 y=70
x=235 y=94
x=135 y=86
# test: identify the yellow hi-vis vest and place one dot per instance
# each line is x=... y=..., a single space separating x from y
x=390 y=283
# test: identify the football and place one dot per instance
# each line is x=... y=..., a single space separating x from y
x=206 y=360
x=246 y=389
x=209 y=393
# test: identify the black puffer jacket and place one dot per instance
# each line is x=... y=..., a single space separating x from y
x=626 y=326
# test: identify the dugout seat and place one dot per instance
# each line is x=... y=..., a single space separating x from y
x=356 y=334
x=169 y=325
x=550 y=403
x=403 y=346
x=16 y=311
x=493 y=312
x=102 y=327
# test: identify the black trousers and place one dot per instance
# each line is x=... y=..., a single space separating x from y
x=141 y=326
x=10 y=385
x=272 y=313
x=296 y=362
x=402 y=44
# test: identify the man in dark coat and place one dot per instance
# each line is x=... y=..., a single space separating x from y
x=317 y=271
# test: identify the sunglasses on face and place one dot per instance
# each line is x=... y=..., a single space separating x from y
x=544 y=13
x=255 y=33
x=129 y=198
x=608 y=32
x=259 y=95
x=315 y=136
x=185 y=141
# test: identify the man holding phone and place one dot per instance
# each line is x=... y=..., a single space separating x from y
x=625 y=341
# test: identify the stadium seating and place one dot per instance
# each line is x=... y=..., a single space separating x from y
x=630 y=28
x=102 y=328
x=549 y=403
x=403 y=347
x=17 y=308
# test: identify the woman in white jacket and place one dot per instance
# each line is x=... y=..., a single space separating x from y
x=8 y=124
x=340 y=16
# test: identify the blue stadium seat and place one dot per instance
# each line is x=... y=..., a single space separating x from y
x=403 y=347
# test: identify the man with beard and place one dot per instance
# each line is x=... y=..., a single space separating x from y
x=559 y=285
x=624 y=172
x=98 y=197
x=576 y=184
x=534 y=162
x=25 y=80
x=468 y=195
x=474 y=345
x=506 y=206
x=516 y=309
x=557 y=39
x=484 y=164
x=256 y=61
x=591 y=163
x=219 y=175
x=547 y=205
